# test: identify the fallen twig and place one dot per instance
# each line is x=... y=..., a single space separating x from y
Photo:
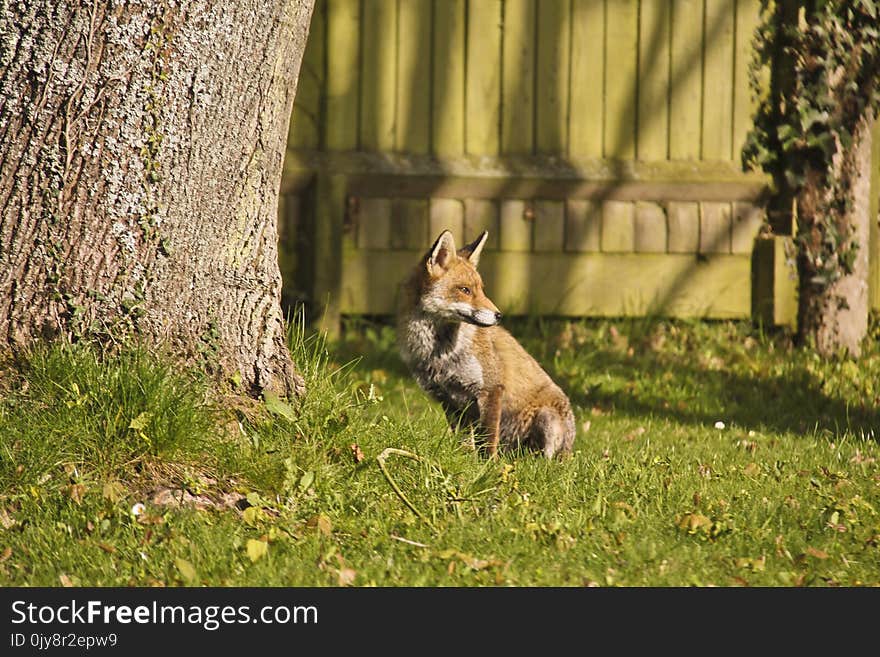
x=388 y=451
x=409 y=542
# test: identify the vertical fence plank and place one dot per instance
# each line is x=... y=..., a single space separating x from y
x=483 y=78
x=618 y=230
x=373 y=223
x=650 y=228
x=343 y=30
x=715 y=227
x=515 y=228
x=683 y=219
x=549 y=226
x=685 y=79
x=583 y=221
x=748 y=14
x=717 y=82
x=518 y=83
x=480 y=215
x=587 y=75
x=621 y=78
x=551 y=97
x=306 y=121
x=447 y=112
x=330 y=208
x=409 y=223
x=653 y=121
x=413 y=76
x=378 y=75
x=446 y=214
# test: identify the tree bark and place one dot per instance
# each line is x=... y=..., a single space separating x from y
x=834 y=318
x=141 y=149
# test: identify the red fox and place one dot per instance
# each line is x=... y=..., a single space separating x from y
x=449 y=337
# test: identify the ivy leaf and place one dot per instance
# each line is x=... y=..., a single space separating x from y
x=786 y=133
x=824 y=141
x=811 y=117
x=795 y=179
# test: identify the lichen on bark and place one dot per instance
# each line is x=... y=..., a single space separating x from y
x=141 y=144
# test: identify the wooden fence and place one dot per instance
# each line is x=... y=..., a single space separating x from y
x=597 y=140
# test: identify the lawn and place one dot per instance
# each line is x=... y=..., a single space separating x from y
x=707 y=453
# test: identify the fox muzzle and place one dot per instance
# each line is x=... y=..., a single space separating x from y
x=483 y=317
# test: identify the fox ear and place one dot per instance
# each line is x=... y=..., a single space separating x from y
x=441 y=253
x=472 y=251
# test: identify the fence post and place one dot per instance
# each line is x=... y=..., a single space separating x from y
x=330 y=207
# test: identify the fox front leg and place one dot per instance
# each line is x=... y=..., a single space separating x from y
x=490 y=418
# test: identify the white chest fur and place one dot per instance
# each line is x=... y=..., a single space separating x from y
x=441 y=356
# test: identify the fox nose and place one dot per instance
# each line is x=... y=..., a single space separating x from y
x=497 y=317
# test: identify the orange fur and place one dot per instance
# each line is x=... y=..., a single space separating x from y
x=450 y=338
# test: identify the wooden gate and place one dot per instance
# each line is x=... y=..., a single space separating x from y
x=597 y=140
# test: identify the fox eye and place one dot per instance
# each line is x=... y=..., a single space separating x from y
x=465 y=290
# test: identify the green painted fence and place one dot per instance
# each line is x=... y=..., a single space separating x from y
x=597 y=140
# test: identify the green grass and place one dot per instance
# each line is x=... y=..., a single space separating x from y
x=785 y=494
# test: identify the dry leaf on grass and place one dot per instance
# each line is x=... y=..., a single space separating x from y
x=693 y=522
x=472 y=562
x=818 y=554
x=347 y=576
x=113 y=491
x=256 y=550
x=186 y=569
x=6 y=520
x=76 y=492
x=322 y=523
x=252 y=515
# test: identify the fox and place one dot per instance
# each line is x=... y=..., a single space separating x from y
x=449 y=336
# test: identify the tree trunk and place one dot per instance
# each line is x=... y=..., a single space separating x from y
x=141 y=149
x=834 y=318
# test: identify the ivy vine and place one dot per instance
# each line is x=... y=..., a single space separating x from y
x=823 y=57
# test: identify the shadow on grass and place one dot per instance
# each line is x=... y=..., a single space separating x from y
x=780 y=391
x=699 y=374
x=370 y=342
